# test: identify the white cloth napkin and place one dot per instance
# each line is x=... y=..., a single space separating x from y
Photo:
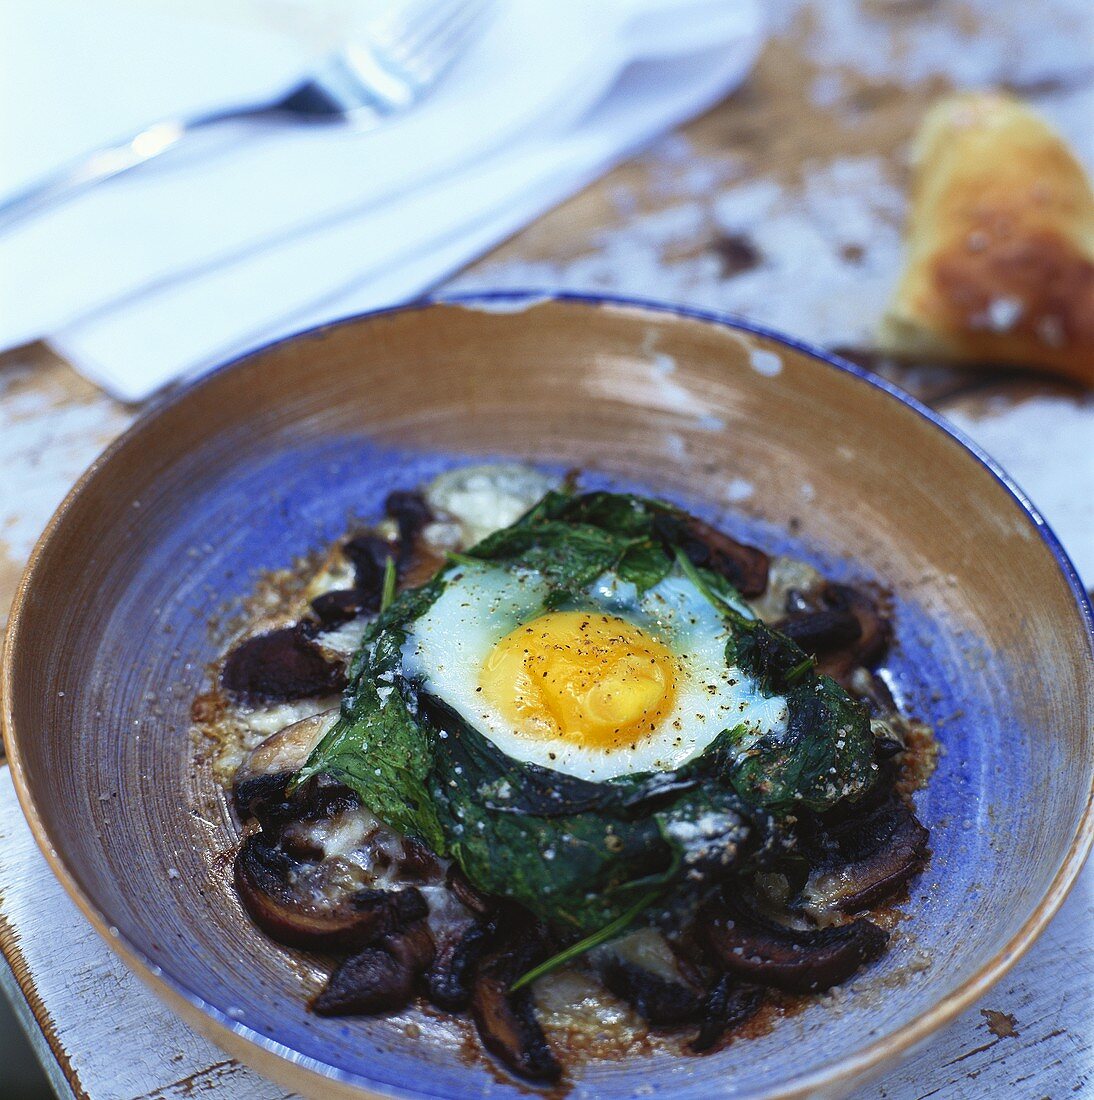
x=253 y=232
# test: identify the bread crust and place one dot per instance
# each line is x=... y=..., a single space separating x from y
x=1000 y=243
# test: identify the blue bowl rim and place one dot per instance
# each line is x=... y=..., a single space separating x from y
x=516 y=300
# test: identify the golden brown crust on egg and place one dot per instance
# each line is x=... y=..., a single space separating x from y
x=1000 y=243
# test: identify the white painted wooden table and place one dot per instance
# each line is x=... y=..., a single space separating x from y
x=784 y=205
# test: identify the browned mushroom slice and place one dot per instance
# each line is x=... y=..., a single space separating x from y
x=657 y=999
x=253 y=796
x=380 y=978
x=761 y=951
x=821 y=632
x=843 y=627
x=264 y=774
x=419 y=556
x=509 y=1029
x=873 y=634
x=745 y=567
x=411 y=513
x=368 y=554
x=278 y=667
x=450 y=979
x=641 y=969
x=417 y=863
x=298 y=905
x=343 y=604
x=867 y=857
x=478 y=902
x=728 y=1005
x=507 y=1021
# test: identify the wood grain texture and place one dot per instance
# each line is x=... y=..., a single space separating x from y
x=129 y=1045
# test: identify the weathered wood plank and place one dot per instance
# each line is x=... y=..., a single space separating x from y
x=110 y=1037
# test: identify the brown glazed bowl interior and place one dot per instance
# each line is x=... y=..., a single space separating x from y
x=273 y=455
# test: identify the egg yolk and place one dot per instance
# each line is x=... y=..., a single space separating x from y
x=585 y=677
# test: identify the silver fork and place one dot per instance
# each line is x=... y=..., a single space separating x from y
x=404 y=53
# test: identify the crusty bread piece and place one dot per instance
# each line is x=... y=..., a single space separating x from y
x=1000 y=243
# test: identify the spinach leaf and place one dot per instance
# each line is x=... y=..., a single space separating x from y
x=644 y=564
x=576 y=853
x=377 y=750
x=574 y=540
x=825 y=756
x=826 y=753
x=605 y=934
x=571 y=851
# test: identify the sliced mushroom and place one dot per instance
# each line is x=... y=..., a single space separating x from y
x=264 y=774
x=659 y=1000
x=844 y=627
x=450 y=979
x=864 y=858
x=417 y=863
x=380 y=978
x=766 y=953
x=411 y=513
x=472 y=898
x=641 y=969
x=369 y=554
x=332 y=609
x=745 y=567
x=306 y=906
x=258 y=796
x=822 y=632
x=280 y=666
x=507 y=1021
x=416 y=552
x=873 y=634
x=728 y=1004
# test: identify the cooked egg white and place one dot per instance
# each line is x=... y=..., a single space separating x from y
x=624 y=683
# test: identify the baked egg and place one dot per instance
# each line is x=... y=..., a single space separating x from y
x=614 y=683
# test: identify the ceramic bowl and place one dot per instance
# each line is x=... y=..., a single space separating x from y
x=270 y=456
